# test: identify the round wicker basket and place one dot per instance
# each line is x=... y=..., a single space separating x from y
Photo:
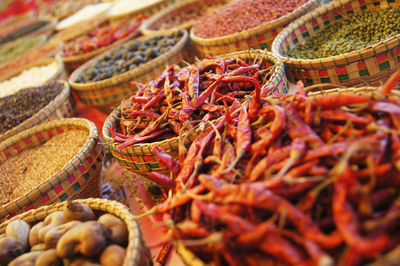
x=370 y=66
x=107 y=94
x=260 y=37
x=78 y=179
x=137 y=253
x=59 y=108
x=139 y=157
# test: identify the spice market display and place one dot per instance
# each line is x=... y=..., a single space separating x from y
x=186 y=132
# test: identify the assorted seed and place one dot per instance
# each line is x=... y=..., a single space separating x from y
x=243 y=15
x=101 y=37
x=18 y=47
x=32 y=77
x=24 y=30
x=129 y=56
x=28 y=169
x=16 y=108
x=186 y=16
x=356 y=31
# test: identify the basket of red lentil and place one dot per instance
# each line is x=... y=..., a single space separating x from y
x=52 y=162
x=135 y=129
x=347 y=42
x=182 y=15
x=100 y=39
x=108 y=78
x=246 y=24
x=30 y=106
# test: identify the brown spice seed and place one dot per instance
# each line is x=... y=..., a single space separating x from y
x=28 y=169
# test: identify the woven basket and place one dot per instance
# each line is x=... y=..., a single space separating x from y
x=146 y=11
x=78 y=179
x=139 y=157
x=75 y=61
x=260 y=37
x=149 y=27
x=369 y=66
x=59 y=108
x=137 y=252
x=107 y=94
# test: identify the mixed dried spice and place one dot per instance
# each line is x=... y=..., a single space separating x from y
x=242 y=15
x=18 y=47
x=16 y=108
x=354 y=32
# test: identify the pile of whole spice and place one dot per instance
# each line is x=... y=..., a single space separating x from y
x=101 y=37
x=182 y=99
x=18 y=47
x=354 y=32
x=311 y=180
x=185 y=15
x=29 y=168
x=129 y=56
x=16 y=108
x=24 y=30
x=242 y=15
x=32 y=77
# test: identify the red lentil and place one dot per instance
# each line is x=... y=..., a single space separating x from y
x=243 y=15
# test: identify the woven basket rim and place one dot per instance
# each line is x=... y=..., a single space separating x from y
x=129 y=75
x=267 y=26
x=145 y=27
x=89 y=145
x=86 y=56
x=59 y=100
x=133 y=12
x=108 y=206
x=362 y=54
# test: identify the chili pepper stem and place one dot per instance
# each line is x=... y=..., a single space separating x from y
x=214 y=238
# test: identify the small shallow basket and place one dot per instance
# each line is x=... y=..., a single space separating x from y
x=260 y=37
x=75 y=61
x=59 y=108
x=137 y=253
x=368 y=66
x=139 y=157
x=78 y=179
x=149 y=27
x=107 y=94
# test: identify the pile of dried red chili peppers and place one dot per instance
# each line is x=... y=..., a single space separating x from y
x=184 y=98
x=310 y=180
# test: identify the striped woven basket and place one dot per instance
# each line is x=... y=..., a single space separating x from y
x=139 y=157
x=75 y=61
x=146 y=11
x=260 y=37
x=59 y=108
x=78 y=179
x=107 y=94
x=137 y=253
x=151 y=26
x=369 y=66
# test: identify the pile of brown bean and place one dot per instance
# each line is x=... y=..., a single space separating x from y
x=243 y=15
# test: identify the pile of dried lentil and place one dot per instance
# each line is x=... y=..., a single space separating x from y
x=18 y=47
x=28 y=169
x=16 y=108
x=354 y=32
x=243 y=15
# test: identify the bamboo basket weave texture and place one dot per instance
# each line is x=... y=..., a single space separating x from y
x=107 y=94
x=369 y=66
x=78 y=179
x=260 y=37
x=139 y=157
x=59 y=108
x=137 y=253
